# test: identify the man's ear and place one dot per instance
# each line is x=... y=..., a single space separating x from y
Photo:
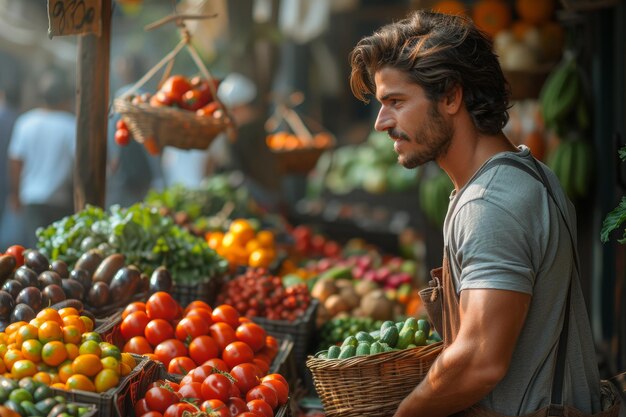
x=452 y=99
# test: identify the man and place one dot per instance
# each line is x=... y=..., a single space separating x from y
x=508 y=253
x=41 y=157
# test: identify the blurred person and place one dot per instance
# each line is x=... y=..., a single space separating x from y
x=41 y=156
x=131 y=171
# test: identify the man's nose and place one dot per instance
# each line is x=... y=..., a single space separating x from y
x=383 y=120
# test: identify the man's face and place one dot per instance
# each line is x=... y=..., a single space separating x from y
x=420 y=132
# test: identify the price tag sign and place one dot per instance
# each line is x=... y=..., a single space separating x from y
x=70 y=17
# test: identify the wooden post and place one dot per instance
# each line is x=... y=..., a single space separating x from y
x=92 y=107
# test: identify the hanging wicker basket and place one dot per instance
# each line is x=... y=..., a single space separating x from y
x=172 y=126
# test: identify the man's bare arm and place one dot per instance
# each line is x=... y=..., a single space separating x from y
x=15 y=173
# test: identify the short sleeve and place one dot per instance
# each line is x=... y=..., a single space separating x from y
x=492 y=248
x=17 y=146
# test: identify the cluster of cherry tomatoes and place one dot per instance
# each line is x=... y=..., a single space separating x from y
x=257 y=293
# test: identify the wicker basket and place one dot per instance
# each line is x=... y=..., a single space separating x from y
x=353 y=387
x=297 y=161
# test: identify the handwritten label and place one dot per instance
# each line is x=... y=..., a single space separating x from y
x=69 y=17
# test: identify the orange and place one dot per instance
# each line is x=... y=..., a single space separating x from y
x=106 y=379
x=110 y=362
x=214 y=239
x=129 y=360
x=50 y=314
x=3 y=367
x=3 y=349
x=229 y=240
x=88 y=323
x=90 y=346
x=261 y=258
x=37 y=322
x=68 y=311
x=491 y=16
x=125 y=369
x=65 y=371
x=74 y=320
x=450 y=7
x=43 y=377
x=58 y=385
x=53 y=353
x=12 y=356
x=23 y=368
x=26 y=332
x=71 y=334
x=535 y=11
x=242 y=229
x=13 y=327
x=72 y=351
x=31 y=349
x=266 y=239
x=80 y=382
x=50 y=331
x=252 y=245
x=54 y=377
x=87 y=364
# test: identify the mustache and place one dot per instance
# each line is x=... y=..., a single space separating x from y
x=395 y=134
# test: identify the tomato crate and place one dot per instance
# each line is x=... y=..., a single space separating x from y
x=203 y=291
x=302 y=330
x=115 y=402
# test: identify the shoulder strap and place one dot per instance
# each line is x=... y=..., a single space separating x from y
x=559 y=372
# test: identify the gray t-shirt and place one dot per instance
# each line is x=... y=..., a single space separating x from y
x=503 y=231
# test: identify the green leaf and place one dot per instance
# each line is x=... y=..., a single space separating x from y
x=613 y=221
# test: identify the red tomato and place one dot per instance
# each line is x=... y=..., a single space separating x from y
x=162 y=305
x=158 y=330
x=260 y=407
x=132 y=307
x=122 y=137
x=223 y=334
x=216 y=387
x=169 y=349
x=191 y=327
x=197 y=304
x=208 y=110
x=175 y=86
x=158 y=399
x=181 y=365
x=152 y=414
x=141 y=407
x=251 y=334
x=272 y=344
x=215 y=408
x=226 y=314
x=265 y=393
x=121 y=124
x=134 y=324
x=17 y=251
x=193 y=100
x=282 y=389
x=193 y=390
x=203 y=348
x=187 y=379
x=246 y=376
x=236 y=406
x=248 y=414
x=177 y=410
x=202 y=313
x=200 y=373
x=275 y=376
x=236 y=353
x=138 y=345
x=263 y=366
x=217 y=363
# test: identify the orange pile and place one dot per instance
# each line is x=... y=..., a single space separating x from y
x=285 y=141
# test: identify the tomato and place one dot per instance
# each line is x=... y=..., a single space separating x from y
x=197 y=304
x=272 y=344
x=141 y=407
x=252 y=334
x=216 y=387
x=177 y=410
x=158 y=330
x=200 y=373
x=223 y=334
x=169 y=349
x=260 y=407
x=282 y=389
x=121 y=124
x=122 y=137
x=202 y=313
x=248 y=414
x=17 y=251
x=132 y=307
x=226 y=313
x=262 y=364
x=158 y=399
x=138 y=345
x=217 y=363
x=192 y=100
x=236 y=406
x=236 y=353
x=152 y=414
x=175 y=86
x=191 y=327
x=275 y=376
x=134 y=325
x=203 y=348
x=181 y=365
x=246 y=376
x=215 y=408
x=162 y=305
x=265 y=393
x=192 y=390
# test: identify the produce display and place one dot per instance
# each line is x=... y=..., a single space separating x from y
x=390 y=336
x=257 y=293
x=31 y=398
x=435 y=196
x=335 y=330
x=286 y=141
x=146 y=239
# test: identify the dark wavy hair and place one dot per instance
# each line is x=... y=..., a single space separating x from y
x=438 y=52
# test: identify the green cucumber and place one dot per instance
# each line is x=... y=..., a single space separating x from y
x=363 y=349
x=333 y=352
x=350 y=341
x=347 y=352
x=405 y=338
x=423 y=325
x=364 y=337
x=386 y=324
x=376 y=347
x=420 y=338
x=411 y=323
x=390 y=336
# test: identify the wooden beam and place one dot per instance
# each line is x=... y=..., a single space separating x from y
x=92 y=107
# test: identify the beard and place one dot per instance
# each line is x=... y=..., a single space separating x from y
x=433 y=138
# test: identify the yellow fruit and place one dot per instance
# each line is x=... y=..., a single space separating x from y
x=43 y=377
x=81 y=382
x=106 y=379
x=23 y=368
x=110 y=362
x=90 y=346
x=128 y=359
x=53 y=353
x=72 y=351
x=87 y=364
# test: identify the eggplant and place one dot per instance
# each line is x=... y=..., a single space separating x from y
x=89 y=261
x=108 y=268
x=47 y=278
x=13 y=287
x=36 y=261
x=99 y=294
x=82 y=276
x=125 y=283
x=6 y=305
x=7 y=266
x=26 y=276
x=30 y=296
x=52 y=294
x=72 y=288
x=60 y=267
x=160 y=280
x=22 y=312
